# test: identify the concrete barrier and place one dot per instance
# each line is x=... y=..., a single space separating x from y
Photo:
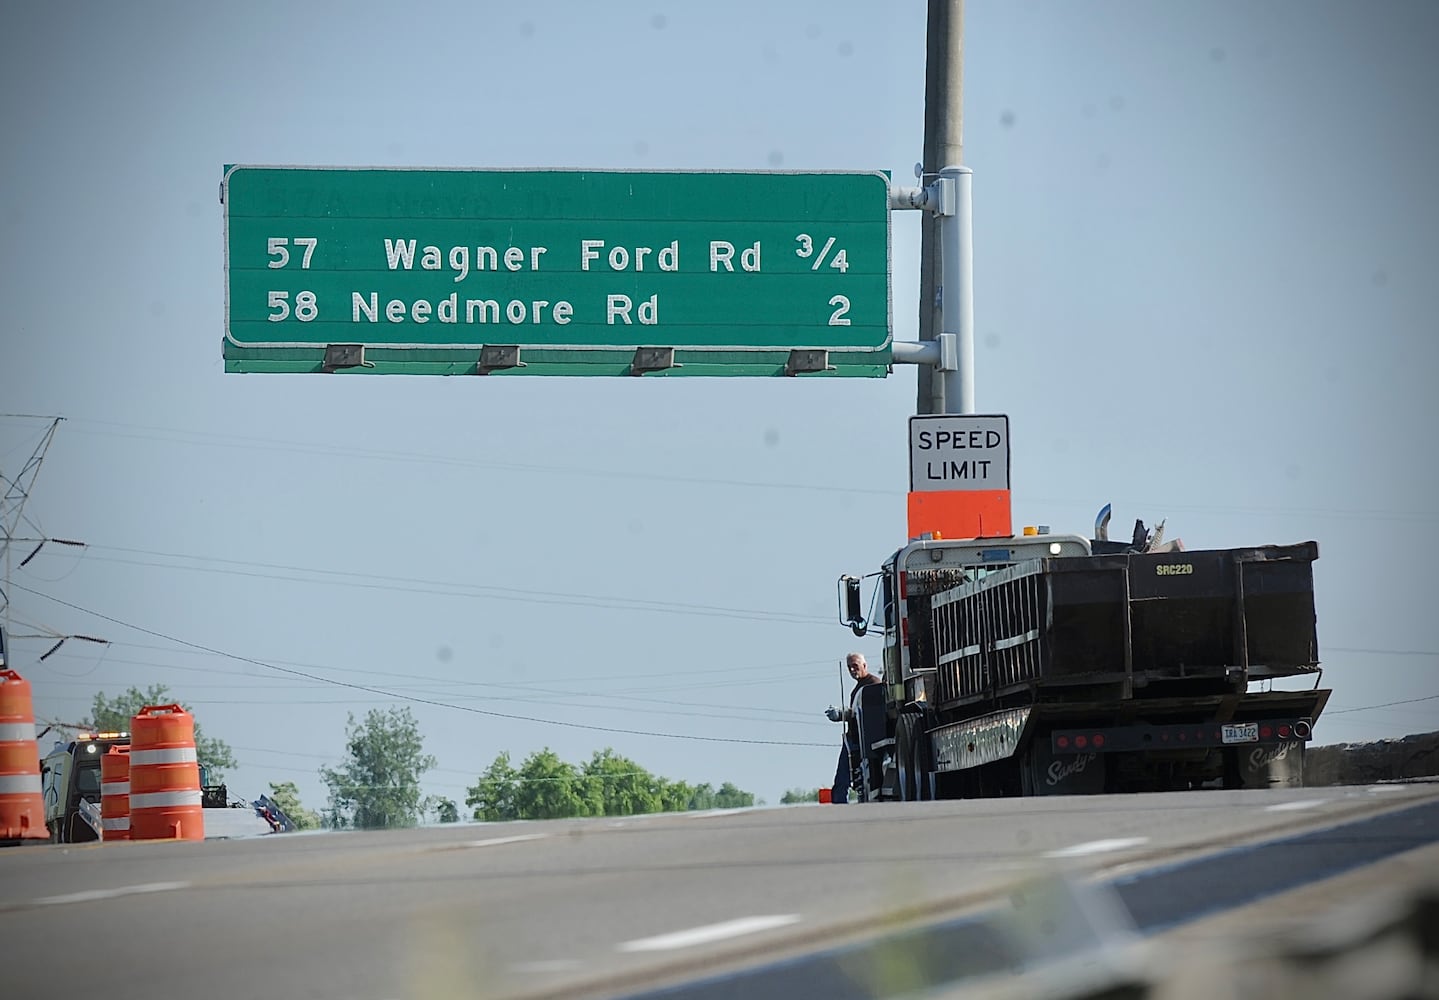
x=1365 y=763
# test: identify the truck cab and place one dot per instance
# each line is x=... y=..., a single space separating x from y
x=70 y=774
x=930 y=564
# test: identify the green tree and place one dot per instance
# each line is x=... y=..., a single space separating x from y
x=114 y=715
x=617 y=786
x=799 y=795
x=545 y=787
x=378 y=788
x=445 y=810
x=730 y=797
x=702 y=797
x=550 y=788
x=675 y=796
x=493 y=796
x=286 y=795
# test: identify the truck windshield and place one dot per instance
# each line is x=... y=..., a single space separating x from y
x=87 y=779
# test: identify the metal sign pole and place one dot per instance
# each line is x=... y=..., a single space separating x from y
x=943 y=145
x=956 y=239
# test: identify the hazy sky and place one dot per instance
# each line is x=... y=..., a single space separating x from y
x=1206 y=244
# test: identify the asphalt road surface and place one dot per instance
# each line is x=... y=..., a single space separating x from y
x=836 y=901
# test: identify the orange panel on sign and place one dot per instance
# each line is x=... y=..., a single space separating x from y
x=960 y=513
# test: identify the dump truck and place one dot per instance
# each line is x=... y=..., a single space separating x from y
x=70 y=782
x=1043 y=664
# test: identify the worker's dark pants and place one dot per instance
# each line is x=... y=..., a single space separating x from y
x=842 y=775
x=840 y=791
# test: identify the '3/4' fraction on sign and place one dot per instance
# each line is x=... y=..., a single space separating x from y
x=805 y=250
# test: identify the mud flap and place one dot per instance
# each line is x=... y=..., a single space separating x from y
x=1278 y=765
x=1047 y=773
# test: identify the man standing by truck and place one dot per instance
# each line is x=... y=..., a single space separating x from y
x=843 y=775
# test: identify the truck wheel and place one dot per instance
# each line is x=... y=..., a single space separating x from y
x=923 y=766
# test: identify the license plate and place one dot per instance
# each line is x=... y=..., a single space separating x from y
x=1248 y=732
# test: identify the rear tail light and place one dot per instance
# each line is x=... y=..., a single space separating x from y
x=1062 y=742
x=1081 y=742
x=1265 y=732
x=1302 y=730
x=1098 y=740
x=1284 y=732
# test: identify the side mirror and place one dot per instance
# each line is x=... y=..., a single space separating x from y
x=853 y=614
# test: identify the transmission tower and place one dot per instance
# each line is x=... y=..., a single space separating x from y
x=20 y=533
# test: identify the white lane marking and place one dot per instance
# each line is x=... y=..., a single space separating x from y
x=1295 y=806
x=1097 y=847
x=91 y=895
x=542 y=967
x=710 y=932
x=711 y=813
x=1384 y=788
x=496 y=841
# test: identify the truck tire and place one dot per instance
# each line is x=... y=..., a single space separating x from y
x=923 y=761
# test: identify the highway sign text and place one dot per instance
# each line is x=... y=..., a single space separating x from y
x=560 y=260
x=954 y=452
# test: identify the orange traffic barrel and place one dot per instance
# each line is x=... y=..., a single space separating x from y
x=22 y=807
x=164 y=776
x=115 y=793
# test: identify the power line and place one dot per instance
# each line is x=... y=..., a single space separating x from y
x=411 y=698
x=1387 y=704
x=542 y=686
x=416 y=585
x=184 y=436
x=458 y=589
x=306 y=448
x=537 y=696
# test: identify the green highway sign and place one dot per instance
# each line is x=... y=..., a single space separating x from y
x=518 y=272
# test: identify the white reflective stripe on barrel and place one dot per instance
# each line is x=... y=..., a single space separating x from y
x=122 y=823
x=163 y=800
x=20 y=784
x=115 y=788
x=17 y=732
x=175 y=755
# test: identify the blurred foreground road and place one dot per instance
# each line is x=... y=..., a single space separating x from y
x=613 y=907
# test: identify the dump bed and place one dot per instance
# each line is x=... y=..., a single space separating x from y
x=1114 y=627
